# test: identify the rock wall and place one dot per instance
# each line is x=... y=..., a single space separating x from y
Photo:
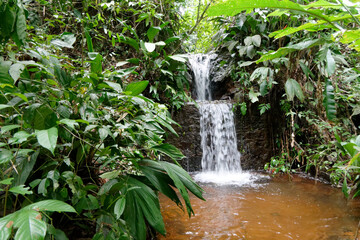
x=189 y=140
x=254 y=136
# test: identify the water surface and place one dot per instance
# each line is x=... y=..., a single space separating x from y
x=269 y=209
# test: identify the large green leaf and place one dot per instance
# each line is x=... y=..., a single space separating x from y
x=40 y=116
x=160 y=180
x=5 y=77
x=5 y=227
x=351 y=37
x=234 y=7
x=19 y=35
x=330 y=63
x=66 y=40
x=132 y=42
x=29 y=225
x=291 y=48
x=141 y=201
x=329 y=100
x=253 y=96
x=167 y=123
x=180 y=186
x=292 y=89
x=181 y=179
x=152 y=32
x=308 y=26
x=62 y=76
x=119 y=207
x=25 y=168
x=16 y=70
x=134 y=217
x=149 y=204
x=5 y=155
x=169 y=150
x=8 y=20
x=51 y=206
x=7 y=128
x=20 y=189
x=135 y=88
x=89 y=41
x=96 y=63
x=48 y=138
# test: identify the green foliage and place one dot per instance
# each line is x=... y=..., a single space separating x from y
x=79 y=131
x=292 y=89
x=291 y=48
x=329 y=100
x=29 y=221
x=311 y=58
x=233 y=7
x=264 y=107
x=279 y=164
x=12 y=22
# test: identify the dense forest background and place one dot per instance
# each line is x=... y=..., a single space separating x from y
x=87 y=87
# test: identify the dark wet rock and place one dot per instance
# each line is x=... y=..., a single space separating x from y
x=189 y=140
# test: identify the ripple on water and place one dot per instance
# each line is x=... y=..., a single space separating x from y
x=256 y=207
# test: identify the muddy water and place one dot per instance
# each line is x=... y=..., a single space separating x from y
x=271 y=209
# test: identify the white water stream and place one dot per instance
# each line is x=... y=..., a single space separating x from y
x=221 y=159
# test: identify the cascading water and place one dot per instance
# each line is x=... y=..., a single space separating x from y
x=218 y=138
x=200 y=65
x=221 y=158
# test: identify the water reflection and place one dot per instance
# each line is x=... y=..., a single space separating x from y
x=274 y=209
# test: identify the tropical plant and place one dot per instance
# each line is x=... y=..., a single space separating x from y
x=315 y=47
x=78 y=135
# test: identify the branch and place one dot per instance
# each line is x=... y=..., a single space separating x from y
x=199 y=19
x=194 y=27
x=347 y=9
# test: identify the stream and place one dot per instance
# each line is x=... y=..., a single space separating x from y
x=268 y=208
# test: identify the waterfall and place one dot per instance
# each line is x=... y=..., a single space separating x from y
x=218 y=138
x=220 y=158
x=200 y=65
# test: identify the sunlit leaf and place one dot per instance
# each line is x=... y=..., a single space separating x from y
x=253 y=96
x=150 y=47
x=48 y=138
x=21 y=189
x=51 y=206
x=16 y=70
x=291 y=48
x=179 y=58
x=3 y=106
x=7 y=128
x=5 y=156
x=7 y=181
x=70 y=123
x=30 y=226
x=136 y=87
x=233 y=7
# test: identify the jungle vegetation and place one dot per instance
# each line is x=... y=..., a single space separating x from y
x=87 y=87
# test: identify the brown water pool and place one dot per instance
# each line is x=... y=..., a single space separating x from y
x=273 y=208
